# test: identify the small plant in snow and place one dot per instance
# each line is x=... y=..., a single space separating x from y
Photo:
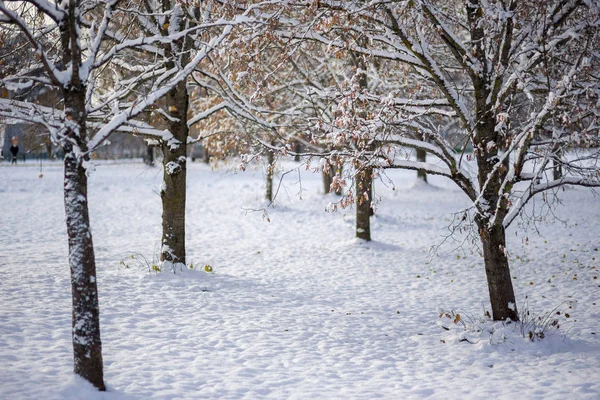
x=532 y=326
x=138 y=260
x=536 y=326
x=467 y=328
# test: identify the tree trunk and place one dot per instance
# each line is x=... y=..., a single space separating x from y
x=502 y=296
x=338 y=189
x=364 y=196
x=557 y=172
x=149 y=159
x=493 y=240
x=422 y=157
x=173 y=191
x=87 y=346
x=297 y=150
x=364 y=179
x=326 y=180
x=48 y=144
x=269 y=175
x=494 y=205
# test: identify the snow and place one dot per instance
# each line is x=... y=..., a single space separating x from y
x=172 y=168
x=295 y=307
x=174 y=77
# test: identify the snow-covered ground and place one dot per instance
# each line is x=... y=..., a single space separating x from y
x=295 y=307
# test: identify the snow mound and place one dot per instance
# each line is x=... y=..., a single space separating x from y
x=539 y=335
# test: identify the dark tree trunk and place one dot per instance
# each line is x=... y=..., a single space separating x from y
x=326 y=180
x=502 y=296
x=364 y=179
x=269 y=175
x=173 y=192
x=422 y=157
x=492 y=235
x=149 y=159
x=87 y=346
x=48 y=144
x=297 y=150
x=557 y=171
x=493 y=240
x=364 y=196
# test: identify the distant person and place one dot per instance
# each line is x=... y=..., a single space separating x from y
x=14 y=149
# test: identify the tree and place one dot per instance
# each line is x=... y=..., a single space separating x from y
x=270 y=169
x=311 y=85
x=213 y=80
x=364 y=174
x=519 y=80
x=72 y=50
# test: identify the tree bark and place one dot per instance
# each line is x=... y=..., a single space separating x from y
x=149 y=159
x=495 y=207
x=557 y=171
x=422 y=157
x=502 y=296
x=297 y=150
x=87 y=345
x=364 y=179
x=328 y=177
x=338 y=189
x=364 y=196
x=326 y=180
x=269 y=175
x=173 y=191
x=48 y=144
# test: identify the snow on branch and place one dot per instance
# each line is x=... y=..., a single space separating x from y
x=234 y=101
x=49 y=9
x=97 y=38
x=454 y=43
x=159 y=91
x=207 y=113
x=29 y=112
x=420 y=50
x=58 y=77
x=534 y=189
x=416 y=166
